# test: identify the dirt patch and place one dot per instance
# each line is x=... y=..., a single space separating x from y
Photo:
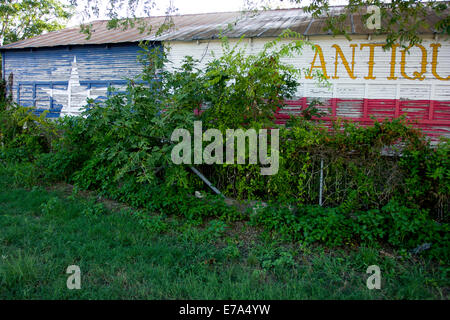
x=67 y=190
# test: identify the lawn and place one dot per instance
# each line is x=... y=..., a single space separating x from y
x=124 y=255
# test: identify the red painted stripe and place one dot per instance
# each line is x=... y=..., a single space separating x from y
x=430 y=115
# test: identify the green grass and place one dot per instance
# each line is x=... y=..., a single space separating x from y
x=126 y=256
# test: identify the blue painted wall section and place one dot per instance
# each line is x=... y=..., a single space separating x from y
x=3 y=65
x=41 y=75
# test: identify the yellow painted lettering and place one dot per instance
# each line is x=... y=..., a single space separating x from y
x=393 y=61
x=371 y=62
x=423 y=69
x=322 y=63
x=344 y=61
x=434 y=62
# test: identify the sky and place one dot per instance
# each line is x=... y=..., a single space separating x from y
x=190 y=7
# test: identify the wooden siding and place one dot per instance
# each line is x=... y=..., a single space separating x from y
x=381 y=85
x=41 y=76
x=384 y=92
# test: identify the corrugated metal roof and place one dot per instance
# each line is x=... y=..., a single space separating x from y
x=268 y=23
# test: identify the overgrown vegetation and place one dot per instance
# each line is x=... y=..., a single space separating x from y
x=383 y=184
x=129 y=254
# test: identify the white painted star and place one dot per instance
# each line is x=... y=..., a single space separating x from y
x=76 y=94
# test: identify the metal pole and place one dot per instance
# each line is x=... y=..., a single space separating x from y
x=321 y=183
x=198 y=173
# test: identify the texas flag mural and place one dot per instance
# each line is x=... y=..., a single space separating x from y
x=75 y=95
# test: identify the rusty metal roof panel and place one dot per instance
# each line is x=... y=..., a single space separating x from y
x=318 y=25
x=431 y=19
x=72 y=36
x=358 y=25
x=269 y=23
x=207 y=26
x=196 y=27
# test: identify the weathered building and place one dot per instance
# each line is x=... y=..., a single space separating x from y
x=58 y=70
x=59 y=79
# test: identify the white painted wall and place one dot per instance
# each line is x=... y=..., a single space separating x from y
x=430 y=88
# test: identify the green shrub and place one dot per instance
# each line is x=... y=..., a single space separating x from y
x=153 y=223
x=23 y=135
x=370 y=226
x=400 y=226
x=18 y=174
x=382 y=183
x=308 y=224
x=95 y=209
